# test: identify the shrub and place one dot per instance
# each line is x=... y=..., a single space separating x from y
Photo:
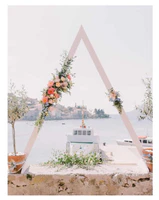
x=67 y=160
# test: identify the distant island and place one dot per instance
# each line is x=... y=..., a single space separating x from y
x=62 y=112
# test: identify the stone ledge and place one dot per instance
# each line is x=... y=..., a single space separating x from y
x=80 y=184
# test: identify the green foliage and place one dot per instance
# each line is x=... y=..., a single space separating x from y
x=67 y=160
x=118 y=106
x=146 y=109
x=17 y=107
x=29 y=176
x=17 y=103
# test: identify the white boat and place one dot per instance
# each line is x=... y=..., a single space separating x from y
x=144 y=140
x=82 y=140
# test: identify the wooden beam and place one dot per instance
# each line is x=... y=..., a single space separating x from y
x=81 y=35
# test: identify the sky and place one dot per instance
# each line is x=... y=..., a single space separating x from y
x=120 y=35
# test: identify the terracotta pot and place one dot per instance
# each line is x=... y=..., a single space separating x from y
x=147 y=154
x=15 y=163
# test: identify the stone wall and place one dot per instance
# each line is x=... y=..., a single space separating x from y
x=80 y=184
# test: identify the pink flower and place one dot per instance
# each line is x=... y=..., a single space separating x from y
x=65 y=84
x=57 y=79
x=50 y=83
x=51 y=90
x=69 y=77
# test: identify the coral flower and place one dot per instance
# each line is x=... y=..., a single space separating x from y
x=51 y=90
x=50 y=83
x=58 y=84
x=57 y=95
x=44 y=99
x=62 y=78
x=69 y=77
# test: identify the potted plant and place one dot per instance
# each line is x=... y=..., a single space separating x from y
x=146 y=112
x=17 y=107
x=148 y=157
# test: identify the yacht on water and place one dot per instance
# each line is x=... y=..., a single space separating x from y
x=82 y=140
x=144 y=140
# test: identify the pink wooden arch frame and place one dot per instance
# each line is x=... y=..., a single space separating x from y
x=81 y=35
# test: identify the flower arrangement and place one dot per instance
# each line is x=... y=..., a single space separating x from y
x=114 y=97
x=60 y=83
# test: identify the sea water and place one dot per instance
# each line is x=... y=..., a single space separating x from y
x=53 y=134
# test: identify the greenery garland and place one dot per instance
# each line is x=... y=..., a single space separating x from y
x=114 y=97
x=60 y=83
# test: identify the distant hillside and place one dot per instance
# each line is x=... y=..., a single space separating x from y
x=131 y=114
x=62 y=112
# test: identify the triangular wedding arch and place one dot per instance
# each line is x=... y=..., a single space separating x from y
x=81 y=35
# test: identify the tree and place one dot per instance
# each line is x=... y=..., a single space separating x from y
x=146 y=110
x=99 y=113
x=17 y=107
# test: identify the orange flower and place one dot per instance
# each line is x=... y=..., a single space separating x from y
x=58 y=84
x=69 y=77
x=57 y=95
x=50 y=83
x=44 y=99
x=50 y=90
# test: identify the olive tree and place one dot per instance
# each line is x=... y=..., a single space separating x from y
x=146 y=110
x=17 y=107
